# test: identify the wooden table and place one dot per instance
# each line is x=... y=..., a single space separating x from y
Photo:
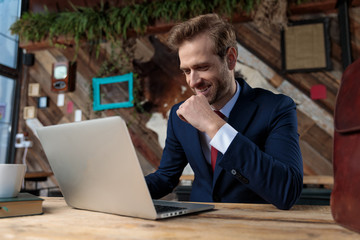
x=228 y=221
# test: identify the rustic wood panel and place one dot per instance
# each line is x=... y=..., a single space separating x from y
x=268 y=50
x=227 y=221
x=304 y=123
x=315 y=143
x=320 y=140
x=163 y=85
x=314 y=163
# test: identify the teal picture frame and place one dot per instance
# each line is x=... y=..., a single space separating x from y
x=97 y=82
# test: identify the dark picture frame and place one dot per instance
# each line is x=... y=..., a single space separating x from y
x=305 y=46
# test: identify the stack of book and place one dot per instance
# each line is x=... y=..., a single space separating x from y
x=22 y=205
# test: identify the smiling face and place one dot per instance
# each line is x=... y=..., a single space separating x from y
x=206 y=73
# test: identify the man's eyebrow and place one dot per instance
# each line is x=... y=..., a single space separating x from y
x=183 y=69
x=194 y=66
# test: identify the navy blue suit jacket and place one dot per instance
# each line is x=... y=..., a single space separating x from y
x=263 y=164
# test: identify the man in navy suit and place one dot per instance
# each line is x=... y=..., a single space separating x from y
x=247 y=153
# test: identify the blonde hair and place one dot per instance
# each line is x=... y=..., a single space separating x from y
x=218 y=29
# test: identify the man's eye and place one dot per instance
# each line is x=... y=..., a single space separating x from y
x=203 y=68
x=186 y=72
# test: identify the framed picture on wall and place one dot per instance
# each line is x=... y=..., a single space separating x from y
x=305 y=46
x=113 y=92
x=34 y=90
x=43 y=102
x=29 y=112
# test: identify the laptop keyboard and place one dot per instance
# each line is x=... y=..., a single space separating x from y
x=162 y=208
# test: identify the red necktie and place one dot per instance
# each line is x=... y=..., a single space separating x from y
x=214 y=151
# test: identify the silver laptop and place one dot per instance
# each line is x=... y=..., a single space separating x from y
x=97 y=169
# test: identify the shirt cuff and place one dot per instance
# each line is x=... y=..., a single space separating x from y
x=223 y=138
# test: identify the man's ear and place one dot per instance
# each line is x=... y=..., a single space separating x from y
x=231 y=57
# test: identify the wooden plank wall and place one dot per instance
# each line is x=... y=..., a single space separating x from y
x=316 y=142
x=163 y=85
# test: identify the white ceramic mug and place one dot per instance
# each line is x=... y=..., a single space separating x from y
x=11 y=178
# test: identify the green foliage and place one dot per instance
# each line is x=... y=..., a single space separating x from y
x=34 y=26
x=119 y=63
x=108 y=23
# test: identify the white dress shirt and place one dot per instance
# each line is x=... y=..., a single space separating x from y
x=223 y=138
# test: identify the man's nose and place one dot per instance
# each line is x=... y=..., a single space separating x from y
x=193 y=78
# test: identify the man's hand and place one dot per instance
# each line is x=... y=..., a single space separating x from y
x=197 y=111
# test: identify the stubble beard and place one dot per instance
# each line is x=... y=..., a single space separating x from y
x=220 y=88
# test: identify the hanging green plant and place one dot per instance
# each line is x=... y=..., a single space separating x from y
x=108 y=23
x=105 y=23
x=119 y=62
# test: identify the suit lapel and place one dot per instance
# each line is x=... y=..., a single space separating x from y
x=240 y=117
x=244 y=108
x=196 y=151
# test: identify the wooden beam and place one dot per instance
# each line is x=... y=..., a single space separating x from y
x=354 y=3
x=46 y=44
x=308 y=180
x=319 y=180
x=322 y=6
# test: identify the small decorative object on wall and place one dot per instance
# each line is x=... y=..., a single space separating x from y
x=305 y=46
x=69 y=107
x=63 y=76
x=60 y=100
x=29 y=112
x=113 y=92
x=28 y=59
x=34 y=90
x=78 y=115
x=318 y=92
x=43 y=102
